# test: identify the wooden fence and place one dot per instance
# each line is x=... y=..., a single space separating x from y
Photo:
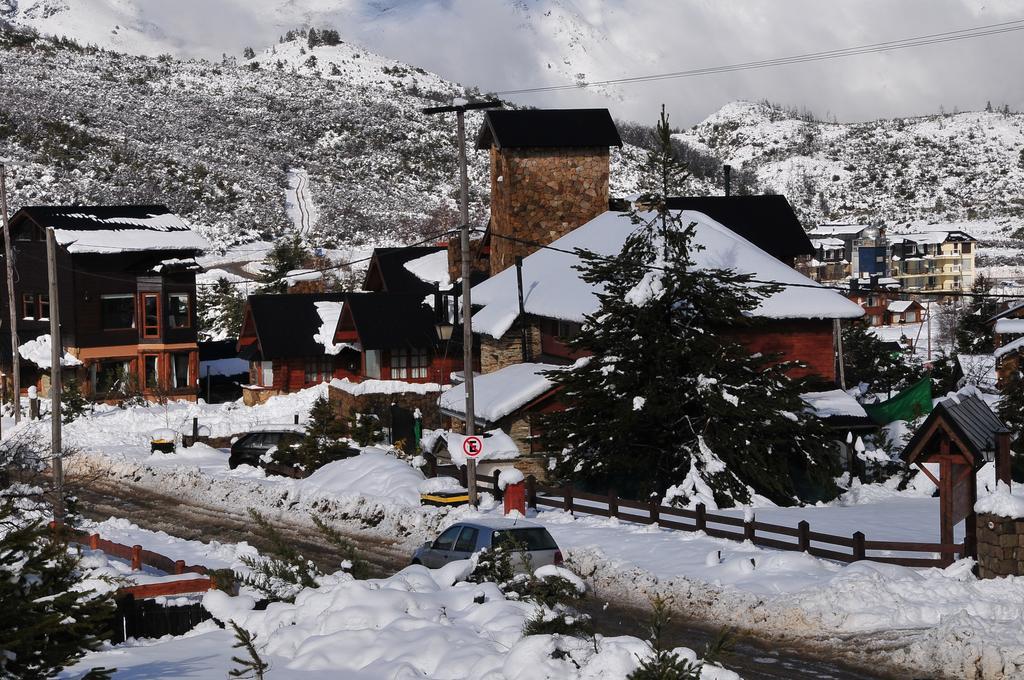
x=139 y=557
x=801 y=538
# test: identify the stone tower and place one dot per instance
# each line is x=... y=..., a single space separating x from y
x=549 y=175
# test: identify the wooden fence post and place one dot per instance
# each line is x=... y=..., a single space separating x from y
x=179 y=566
x=531 y=492
x=748 y=528
x=702 y=517
x=858 y=546
x=195 y=430
x=613 y=503
x=296 y=418
x=432 y=465
x=136 y=557
x=803 y=537
x=94 y=541
x=655 y=511
x=464 y=476
x=567 y=498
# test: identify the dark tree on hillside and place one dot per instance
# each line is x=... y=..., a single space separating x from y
x=313 y=39
x=284 y=257
x=329 y=36
x=665 y=401
x=248 y=53
x=973 y=334
x=867 y=359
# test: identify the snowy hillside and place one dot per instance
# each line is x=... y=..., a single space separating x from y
x=936 y=169
x=215 y=141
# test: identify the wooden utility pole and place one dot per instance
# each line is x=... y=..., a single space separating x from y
x=837 y=330
x=9 y=263
x=56 y=362
x=460 y=108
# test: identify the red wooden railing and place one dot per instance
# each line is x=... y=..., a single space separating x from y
x=138 y=557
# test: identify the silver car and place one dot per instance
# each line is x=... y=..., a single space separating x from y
x=461 y=540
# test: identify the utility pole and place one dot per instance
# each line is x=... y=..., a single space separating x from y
x=929 y=313
x=9 y=262
x=56 y=361
x=459 y=107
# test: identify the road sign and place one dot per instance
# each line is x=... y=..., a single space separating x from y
x=472 y=446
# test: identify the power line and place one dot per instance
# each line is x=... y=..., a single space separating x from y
x=871 y=48
x=783 y=284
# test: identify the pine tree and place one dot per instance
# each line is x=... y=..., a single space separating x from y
x=254 y=666
x=322 y=441
x=284 y=257
x=974 y=335
x=249 y=53
x=868 y=360
x=45 y=624
x=365 y=428
x=220 y=308
x=313 y=39
x=72 y=402
x=663 y=663
x=1011 y=412
x=667 y=400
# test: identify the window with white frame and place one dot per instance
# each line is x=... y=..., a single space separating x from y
x=319 y=370
x=409 y=364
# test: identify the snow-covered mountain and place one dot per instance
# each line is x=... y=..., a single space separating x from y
x=214 y=141
x=904 y=172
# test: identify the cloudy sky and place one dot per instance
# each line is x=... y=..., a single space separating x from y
x=513 y=44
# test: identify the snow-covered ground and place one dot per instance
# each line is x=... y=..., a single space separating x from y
x=417 y=623
x=936 y=613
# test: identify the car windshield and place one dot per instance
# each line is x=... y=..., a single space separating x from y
x=527 y=538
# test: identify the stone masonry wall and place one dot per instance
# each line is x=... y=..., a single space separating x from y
x=1000 y=546
x=508 y=350
x=543 y=194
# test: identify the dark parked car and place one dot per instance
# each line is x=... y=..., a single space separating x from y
x=252 y=448
x=461 y=540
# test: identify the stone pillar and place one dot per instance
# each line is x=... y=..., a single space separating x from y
x=1000 y=546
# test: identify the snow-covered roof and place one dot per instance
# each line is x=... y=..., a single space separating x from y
x=432 y=268
x=384 y=387
x=1009 y=348
x=937 y=236
x=979 y=369
x=838 y=229
x=329 y=312
x=900 y=306
x=834 y=403
x=1013 y=326
x=497 y=394
x=38 y=352
x=112 y=229
x=552 y=287
x=827 y=243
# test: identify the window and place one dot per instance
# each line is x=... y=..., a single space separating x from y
x=117 y=311
x=179 y=370
x=28 y=305
x=567 y=330
x=911 y=317
x=409 y=363
x=518 y=539
x=178 y=310
x=107 y=376
x=373 y=363
x=319 y=370
x=467 y=540
x=44 y=307
x=151 y=377
x=150 y=315
x=446 y=540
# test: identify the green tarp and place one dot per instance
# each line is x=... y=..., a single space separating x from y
x=911 y=403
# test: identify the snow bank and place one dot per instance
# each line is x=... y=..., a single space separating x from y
x=373 y=473
x=38 y=352
x=385 y=387
x=1001 y=502
x=833 y=403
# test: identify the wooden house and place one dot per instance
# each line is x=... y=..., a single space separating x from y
x=288 y=341
x=126 y=277
x=905 y=311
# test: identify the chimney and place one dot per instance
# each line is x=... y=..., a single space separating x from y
x=1003 y=457
x=727 y=171
x=549 y=175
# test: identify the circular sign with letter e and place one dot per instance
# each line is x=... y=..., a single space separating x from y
x=472 y=446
